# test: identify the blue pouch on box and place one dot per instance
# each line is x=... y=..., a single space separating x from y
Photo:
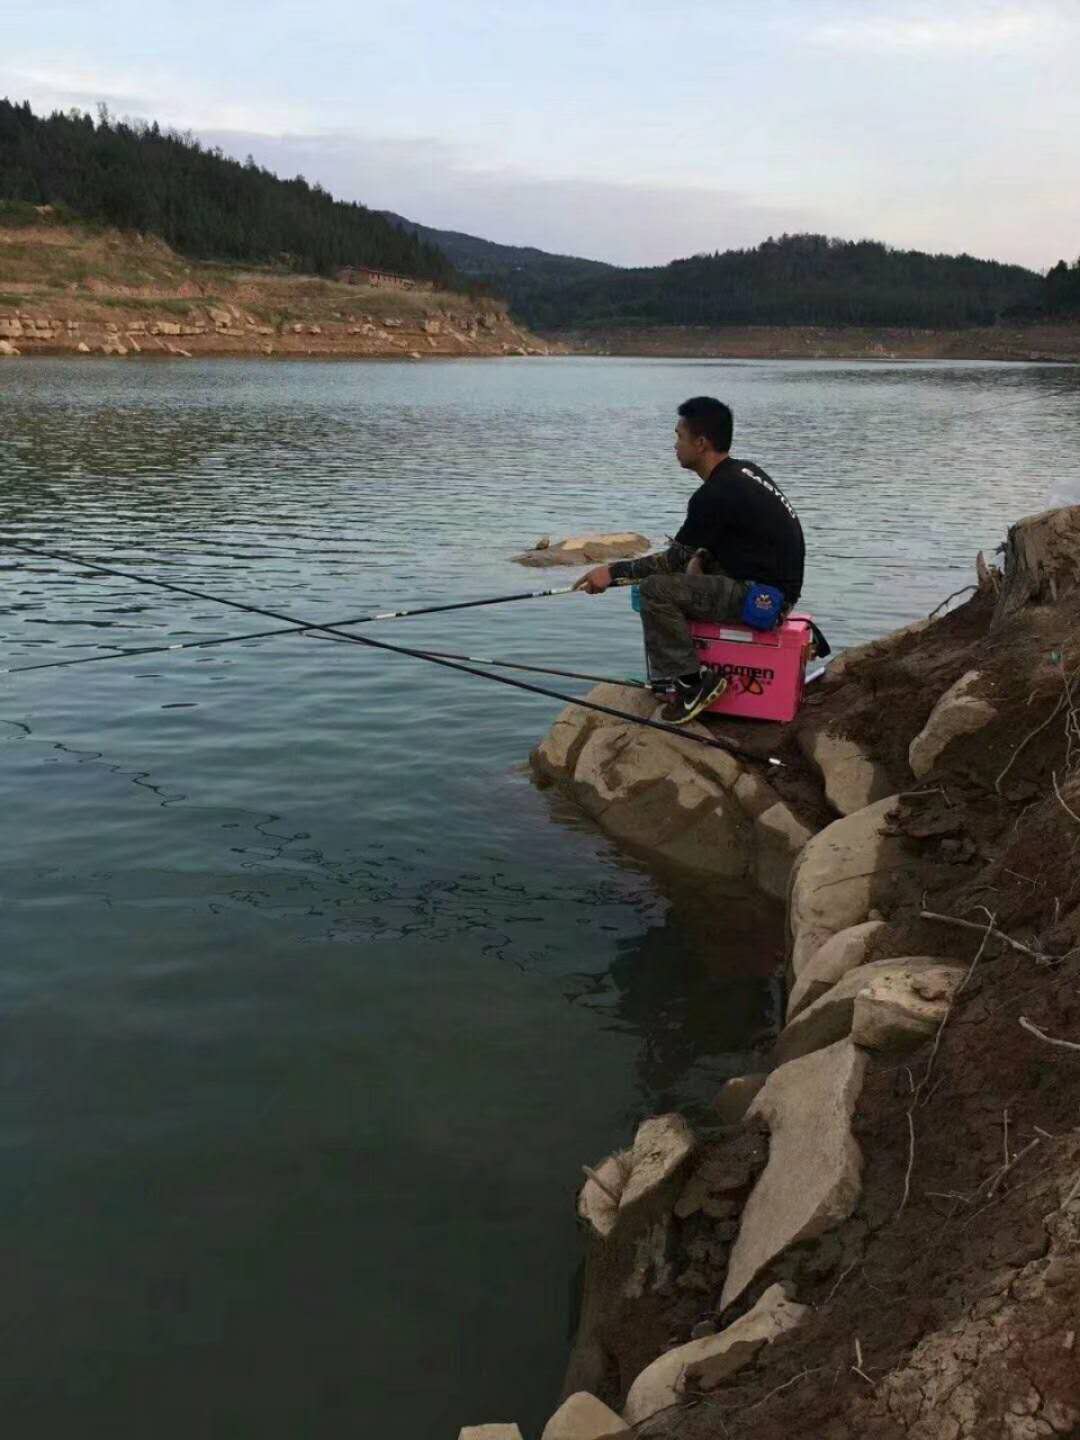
x=762 y=607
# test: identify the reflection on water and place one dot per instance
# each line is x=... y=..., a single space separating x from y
x=312 y=1005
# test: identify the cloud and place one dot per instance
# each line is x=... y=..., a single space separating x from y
x=451 y=188
x=148 y=93
x=984 y=30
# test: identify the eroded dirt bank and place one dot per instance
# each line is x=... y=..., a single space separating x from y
x=881 y=1234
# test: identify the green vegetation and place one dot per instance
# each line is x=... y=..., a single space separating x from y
x=1062 y=289
x=140 y=177
x=796 y=280
x=134 y=302
x=522 y=274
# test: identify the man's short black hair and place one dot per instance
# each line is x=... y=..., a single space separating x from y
x=709 y=418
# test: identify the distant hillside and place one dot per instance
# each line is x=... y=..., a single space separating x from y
x=522 y=274
x=139 y=177
x=796 y=280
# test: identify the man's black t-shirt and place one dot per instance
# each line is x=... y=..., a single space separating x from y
x=748 y=526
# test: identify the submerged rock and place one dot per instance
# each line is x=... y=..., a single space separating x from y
x=586 y=549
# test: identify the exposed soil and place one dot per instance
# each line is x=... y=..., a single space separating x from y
x=949 y=1304
x=83 y=290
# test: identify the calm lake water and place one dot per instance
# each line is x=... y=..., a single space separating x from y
x=312 y=1005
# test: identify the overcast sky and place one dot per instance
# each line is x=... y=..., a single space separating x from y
x=625 y=130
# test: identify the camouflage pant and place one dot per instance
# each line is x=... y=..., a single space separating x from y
x=669 y=602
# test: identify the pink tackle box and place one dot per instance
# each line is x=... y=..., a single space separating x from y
x=765 y=668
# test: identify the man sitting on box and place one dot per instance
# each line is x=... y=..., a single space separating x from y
x=738 y=556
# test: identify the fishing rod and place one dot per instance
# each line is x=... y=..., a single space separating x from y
x=385 y=645
x=291 y=629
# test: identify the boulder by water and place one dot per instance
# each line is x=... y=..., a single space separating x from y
x=670 y=798
x=586 y=549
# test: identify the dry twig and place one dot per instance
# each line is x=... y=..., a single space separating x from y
x=600 y=1184
x=1025 y=741
x=1025 y=1024
x=997 y=934
x=964 y=590
x=917 y=1090
x=858 y=1366
x=1061 y=799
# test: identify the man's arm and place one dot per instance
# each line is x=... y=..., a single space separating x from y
x=672 y=561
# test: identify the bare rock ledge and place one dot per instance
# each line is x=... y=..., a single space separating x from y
x=584 y=1417
x=831 y=1016
x=842 y=952
x=838 y=877
x=671 y=798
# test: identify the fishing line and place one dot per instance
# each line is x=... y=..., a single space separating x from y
x=367 y=640
x=630 y=684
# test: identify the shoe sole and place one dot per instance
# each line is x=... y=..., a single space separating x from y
x=703 y=703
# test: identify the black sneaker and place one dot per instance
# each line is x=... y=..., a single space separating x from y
x=689 y=700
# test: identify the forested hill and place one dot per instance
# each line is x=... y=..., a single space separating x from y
x=795 y=280
x=522 y=274
x=207 y=206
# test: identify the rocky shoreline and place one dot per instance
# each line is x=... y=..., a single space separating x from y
x=80 y=290
x=225 y=330
x=880 y=1235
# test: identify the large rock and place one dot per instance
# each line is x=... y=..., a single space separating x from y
x=587 y=550
x=6 y=348
x=838 y=877
x=735 y=1097
x=661 y=1146
x=779 y=836
x=851 y=779
x=583 y=1417
x=842 y=952
x=626 y=1181
x=898 y=1011
x=813 y=1178
x=489 y=1432
x=830 y=1017
x=705 y=1364
x=658 y=793
x=958 y=712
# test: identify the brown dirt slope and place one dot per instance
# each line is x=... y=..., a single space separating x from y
x=948 y=1306
x=68 y=289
